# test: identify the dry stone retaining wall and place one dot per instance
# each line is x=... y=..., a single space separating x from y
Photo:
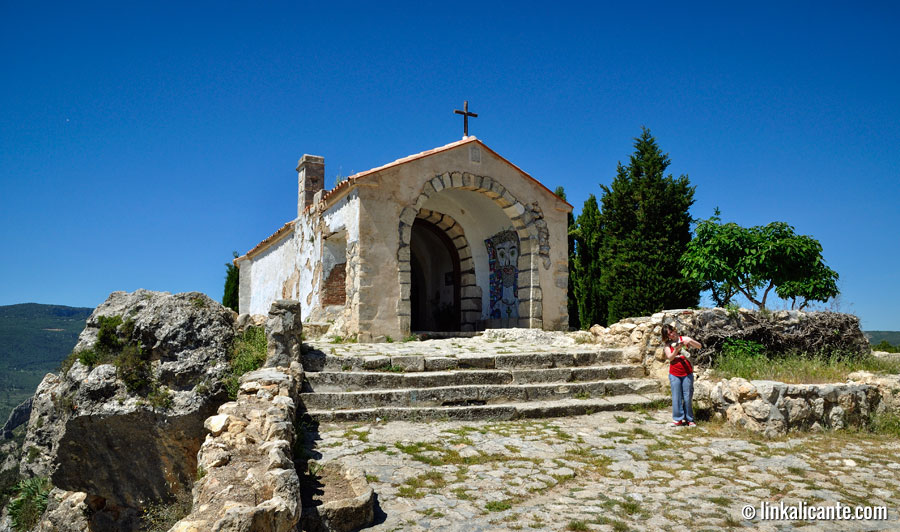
x=774 y=408
x=246 y=464
x=248 y=480
x=780 y=331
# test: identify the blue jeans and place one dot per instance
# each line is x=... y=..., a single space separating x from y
x=682 y=394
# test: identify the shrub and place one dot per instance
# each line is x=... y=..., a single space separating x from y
x=107 y=336
x=29 y=504
x=247 y=354
x=133 y=369
x=885 y=346
x=8 y=482
x=67 y=363
x=161 y=516
x=127 y=329
x=750 y=360
x=89 y=357
x=160 y=398
x=886 y=423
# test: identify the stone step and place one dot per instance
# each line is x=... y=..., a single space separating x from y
x=335 y=381
x=317 y=360
x=474 y=394
x=500 y=411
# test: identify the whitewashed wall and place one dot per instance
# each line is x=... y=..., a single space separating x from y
x=288 y=268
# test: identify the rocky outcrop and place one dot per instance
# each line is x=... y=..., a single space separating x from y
x=18 y=416
x=248 y=475
x=123 y=447
x=782 y=331
x=67 y=511
x=774 y=408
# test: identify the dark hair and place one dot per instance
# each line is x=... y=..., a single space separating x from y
x=666 y=329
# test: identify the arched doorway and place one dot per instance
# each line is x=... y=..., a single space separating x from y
x=526 y=220
x=435 y=279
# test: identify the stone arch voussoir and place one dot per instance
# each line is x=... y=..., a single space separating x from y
x=525 y=220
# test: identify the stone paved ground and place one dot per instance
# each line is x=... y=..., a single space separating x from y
x=492 y=342
x=609 y=471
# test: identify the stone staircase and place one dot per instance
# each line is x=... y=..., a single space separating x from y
x=447 y=380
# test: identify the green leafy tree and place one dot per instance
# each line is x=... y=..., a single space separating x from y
x=585 y=275
x=232 y=285
x=729 y=259
x=570 y=225
x=645 y=227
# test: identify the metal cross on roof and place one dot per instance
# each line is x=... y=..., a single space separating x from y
x=466 y=114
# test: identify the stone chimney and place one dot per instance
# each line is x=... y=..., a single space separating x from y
x=310 y=179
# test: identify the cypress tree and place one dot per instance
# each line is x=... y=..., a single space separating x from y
x=586 y=269
x=645 y=227
x=232 y=285
x=570 y=226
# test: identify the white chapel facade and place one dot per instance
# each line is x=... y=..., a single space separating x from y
x=452 y=239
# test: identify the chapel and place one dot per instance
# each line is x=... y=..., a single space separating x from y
x=453 y=239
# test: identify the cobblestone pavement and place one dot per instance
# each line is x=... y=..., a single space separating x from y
x=609 y=471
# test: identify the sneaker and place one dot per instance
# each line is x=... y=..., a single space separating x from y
x=690 y=424
x=677 y=423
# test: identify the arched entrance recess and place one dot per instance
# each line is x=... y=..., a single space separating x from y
x=521 y=218
x=442 y=278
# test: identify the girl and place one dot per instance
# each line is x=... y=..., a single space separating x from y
x=681 y=375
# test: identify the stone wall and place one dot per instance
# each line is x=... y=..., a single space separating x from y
x=248 y=480
x=774 y=408
x=246 y=466
x=780 y=331
x=247 y=475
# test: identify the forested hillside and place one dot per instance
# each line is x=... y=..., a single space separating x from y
x=876 y=337
x=34 y=338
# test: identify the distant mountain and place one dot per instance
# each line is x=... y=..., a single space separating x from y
x=875 y=337
x=34 y=339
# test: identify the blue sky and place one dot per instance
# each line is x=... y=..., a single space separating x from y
x=141 y=144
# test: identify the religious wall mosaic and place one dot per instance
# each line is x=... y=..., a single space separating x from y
x=503 y=258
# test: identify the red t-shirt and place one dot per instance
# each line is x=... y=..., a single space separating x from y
x=680 y=366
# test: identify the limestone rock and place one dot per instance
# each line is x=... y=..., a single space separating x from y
x=530 y=336
x=245 y=321
x=18 y=416
x=345 y=511
x=66 y=512
x=888 y=387
x=94 y=436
